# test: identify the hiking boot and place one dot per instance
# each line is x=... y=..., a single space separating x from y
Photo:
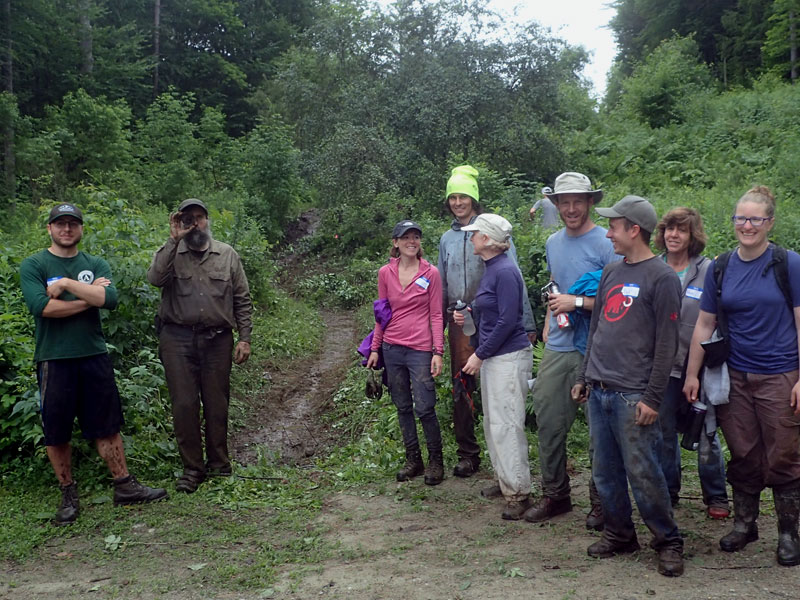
x=745 y=528
x=70 y=507
x=413 y=466
x=547 y=508
x=226 y=471
x=129 y=491
x=189 y=481
x=605 y=548
x=515 y=509
x=670 y=562
x=787 y=509
x=493 y=491
x=595 y=520
x=434 y=472
x=466 y=467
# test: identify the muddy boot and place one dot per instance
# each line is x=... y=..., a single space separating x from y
x=70 y=507
x=745 y=528
x=129 y=491
x=434 y=473
x=413 y=466
x=787 y=508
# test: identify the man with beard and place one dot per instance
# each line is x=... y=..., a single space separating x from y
x=204 y=296
x=65 y=289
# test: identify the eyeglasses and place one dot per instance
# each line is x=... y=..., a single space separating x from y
x=739 y=220
x=64 y=224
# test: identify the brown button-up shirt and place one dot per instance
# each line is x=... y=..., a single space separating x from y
x=206 y=289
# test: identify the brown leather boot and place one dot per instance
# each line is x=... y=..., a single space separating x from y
x=413 y=466
x=434 y=473
x=70 y=506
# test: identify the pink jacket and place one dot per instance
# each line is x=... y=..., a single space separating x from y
x=416 y=311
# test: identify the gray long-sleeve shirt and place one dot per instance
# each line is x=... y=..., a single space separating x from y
x=461 y=271
x=633 y=337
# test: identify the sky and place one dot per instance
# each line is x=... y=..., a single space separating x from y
x=581 y=22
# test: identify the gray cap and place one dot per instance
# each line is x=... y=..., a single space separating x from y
x=634 y=208
x=574 y=183
x=403 y=226
x=495 y=226
x=192 y=202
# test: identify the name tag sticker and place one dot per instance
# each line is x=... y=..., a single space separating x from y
x=694 y=292
x=423 y=282
x=630 y=290
x=52 y=280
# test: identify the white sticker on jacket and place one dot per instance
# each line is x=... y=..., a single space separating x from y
x=423 y=282
x=694 y=292
x=630 y=290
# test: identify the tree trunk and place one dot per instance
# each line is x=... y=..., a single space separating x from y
x=156 y=44
x=9 y=156
x=87 y=56
x=792 y=46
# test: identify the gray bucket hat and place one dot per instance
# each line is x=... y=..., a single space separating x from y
x=574 y=183
x=634 y=208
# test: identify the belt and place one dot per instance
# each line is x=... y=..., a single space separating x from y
x=600 y=384
x=199 y=327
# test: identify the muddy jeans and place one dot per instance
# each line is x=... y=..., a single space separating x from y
x=504 y=381
x=623 y=452
x=463 y=415
x=413 y=391
x=197 y=365
x=763 y=434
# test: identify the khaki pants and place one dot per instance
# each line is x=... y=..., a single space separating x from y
x=504 y=381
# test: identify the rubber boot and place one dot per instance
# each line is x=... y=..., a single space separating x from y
x=434 y=473
x=413 y=466
x=787 y=509
x=745 y=528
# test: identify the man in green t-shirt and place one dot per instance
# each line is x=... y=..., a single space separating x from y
x=64 y=289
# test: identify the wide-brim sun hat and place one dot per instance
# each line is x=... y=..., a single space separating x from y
x=634 y=208
x=495 y=226
x=574 y=183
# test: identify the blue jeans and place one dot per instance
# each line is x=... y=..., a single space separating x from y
x=710 y=463
x=625 y=451
x=413 y=391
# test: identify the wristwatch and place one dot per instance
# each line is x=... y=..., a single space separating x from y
x=578 y=301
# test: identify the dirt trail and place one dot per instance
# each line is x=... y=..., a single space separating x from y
x=284 y=420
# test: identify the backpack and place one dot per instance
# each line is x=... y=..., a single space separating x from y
x=779 y=260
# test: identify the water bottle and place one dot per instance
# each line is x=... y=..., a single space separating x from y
x=469 y=325
x=691 y=439
x=552 y=289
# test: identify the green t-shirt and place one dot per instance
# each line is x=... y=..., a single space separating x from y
x=68 y=337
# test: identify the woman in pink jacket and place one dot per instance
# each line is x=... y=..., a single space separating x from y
x=412 y=346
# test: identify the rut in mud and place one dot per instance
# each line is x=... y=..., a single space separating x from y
x=283 y=420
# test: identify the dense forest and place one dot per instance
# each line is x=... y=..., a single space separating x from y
x=267 y=108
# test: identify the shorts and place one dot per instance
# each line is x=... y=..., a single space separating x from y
x=82 y=387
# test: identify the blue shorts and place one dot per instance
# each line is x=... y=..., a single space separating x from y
x=78 y=387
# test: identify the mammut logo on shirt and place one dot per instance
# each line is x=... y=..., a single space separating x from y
x=86 y=277
x=617 y=304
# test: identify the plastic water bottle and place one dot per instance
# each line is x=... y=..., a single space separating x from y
x=469 y=325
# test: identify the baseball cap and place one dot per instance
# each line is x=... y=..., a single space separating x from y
x=495 y=226
x=192 y=202
x=403 y=226
x=65 y=210
x=634 y=208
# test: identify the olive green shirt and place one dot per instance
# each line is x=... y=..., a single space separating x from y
x=204 y=289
